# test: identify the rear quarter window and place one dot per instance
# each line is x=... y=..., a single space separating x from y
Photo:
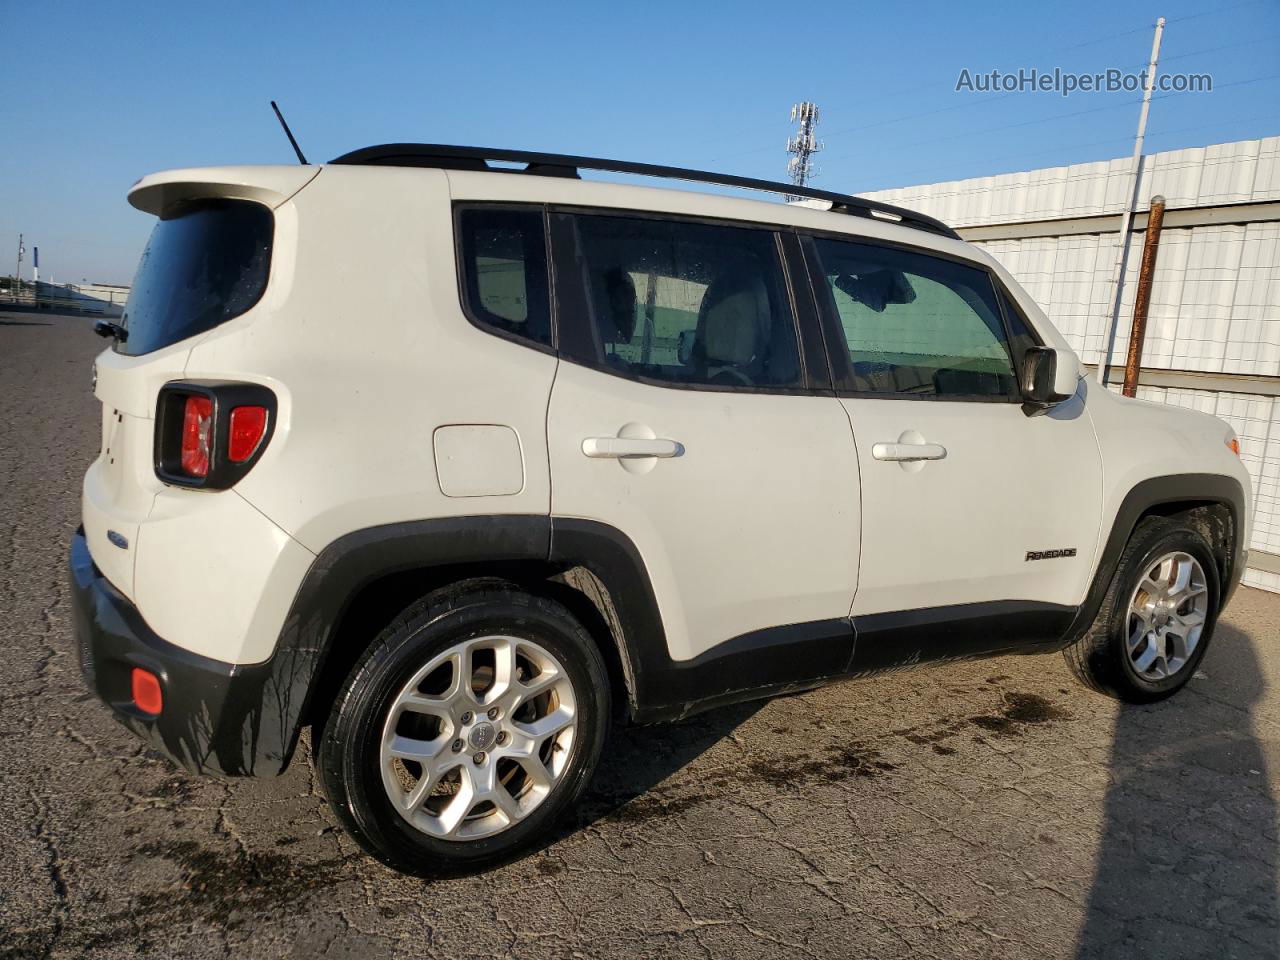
x=503 y=260
x=206 y=262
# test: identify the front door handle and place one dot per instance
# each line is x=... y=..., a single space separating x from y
x=908 y=452
x=620 y=447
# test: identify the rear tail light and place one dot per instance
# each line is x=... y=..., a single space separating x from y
x=1233 y=444
x=248 y=424
x=197 y=436
x=209 y=434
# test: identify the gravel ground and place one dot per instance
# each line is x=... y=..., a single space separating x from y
x=990 y=809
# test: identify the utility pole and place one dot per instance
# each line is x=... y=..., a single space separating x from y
x=1142 y=302
x=1113 y=316
x=17 y=272
x=803 y=145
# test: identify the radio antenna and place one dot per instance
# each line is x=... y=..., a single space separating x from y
x=288 y=133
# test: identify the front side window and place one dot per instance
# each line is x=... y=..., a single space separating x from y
x=504 y=269
x=915 y=324
x=206 y=262
x=687 y=303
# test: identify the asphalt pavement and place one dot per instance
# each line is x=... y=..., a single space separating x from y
x=985 y=809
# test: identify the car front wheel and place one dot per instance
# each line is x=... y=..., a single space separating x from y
x=1157 y=618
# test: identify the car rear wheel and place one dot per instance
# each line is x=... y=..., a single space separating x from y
x=473 y=721
x=1156 y=620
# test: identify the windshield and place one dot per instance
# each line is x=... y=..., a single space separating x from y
x=206 y=262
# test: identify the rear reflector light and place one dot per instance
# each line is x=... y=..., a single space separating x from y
x=146 y=692
x=248 y=424
x=197 y=435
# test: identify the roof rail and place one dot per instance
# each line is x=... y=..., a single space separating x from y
x=448 y=157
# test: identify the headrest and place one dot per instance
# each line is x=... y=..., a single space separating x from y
x=735 y=315
x=619 y=323
x=874 y=288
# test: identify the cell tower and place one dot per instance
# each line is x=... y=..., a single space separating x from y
x=803 y=145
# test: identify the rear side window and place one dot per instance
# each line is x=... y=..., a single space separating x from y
x=504 y=271
x=917 y=325
x=687 y=303
x=206 y=262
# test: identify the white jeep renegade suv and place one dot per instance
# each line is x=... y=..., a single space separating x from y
x=459 y=463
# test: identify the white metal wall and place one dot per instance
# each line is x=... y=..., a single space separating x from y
x=1241 y=172
x=1215 y=299
x=1215 y=304
x=1257 y=421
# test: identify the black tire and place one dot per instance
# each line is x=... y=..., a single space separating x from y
x=1100 y=659
x=348 y=749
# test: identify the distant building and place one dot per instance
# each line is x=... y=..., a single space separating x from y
x=96 y=299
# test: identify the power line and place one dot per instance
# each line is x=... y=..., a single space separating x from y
x=1089 y=43
x=1218 y=123
x=1218 y=86
x=1214 y=11
x=1228 y=46
x=925 y=113
x=1052 y=51
x=1064 y=116
x=1057 y=150
x=1010 y=126
x=969 y=104
x=878 y=123
x=959 y=106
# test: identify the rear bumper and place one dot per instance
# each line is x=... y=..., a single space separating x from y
x=217 y=717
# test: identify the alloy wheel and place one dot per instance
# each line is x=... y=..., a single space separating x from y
x=478 y=737
x=1167 y=614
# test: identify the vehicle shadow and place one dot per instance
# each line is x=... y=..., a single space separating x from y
x=1187 y=864
x=637 y=760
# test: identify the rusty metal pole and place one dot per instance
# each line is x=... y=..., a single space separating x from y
x=1142 y=301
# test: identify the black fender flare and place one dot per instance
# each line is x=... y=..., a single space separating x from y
x=1213 y=488
x=336 y=577
x=775 y=660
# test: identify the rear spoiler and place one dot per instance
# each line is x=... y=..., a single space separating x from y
x=270 y=185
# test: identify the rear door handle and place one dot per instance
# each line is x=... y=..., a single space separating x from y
x=908 y=452
x=619 y=447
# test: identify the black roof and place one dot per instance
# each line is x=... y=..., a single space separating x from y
x=447 y=157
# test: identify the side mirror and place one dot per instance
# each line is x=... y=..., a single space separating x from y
x=1048 y=376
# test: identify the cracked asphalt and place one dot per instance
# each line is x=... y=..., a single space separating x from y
x=987 y=809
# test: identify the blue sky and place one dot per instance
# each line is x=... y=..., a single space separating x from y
x=100 y=93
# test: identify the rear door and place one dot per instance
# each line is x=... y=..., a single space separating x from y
x=980 y=515
x=686 y=415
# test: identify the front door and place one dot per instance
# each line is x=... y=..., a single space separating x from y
x=980 y=516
